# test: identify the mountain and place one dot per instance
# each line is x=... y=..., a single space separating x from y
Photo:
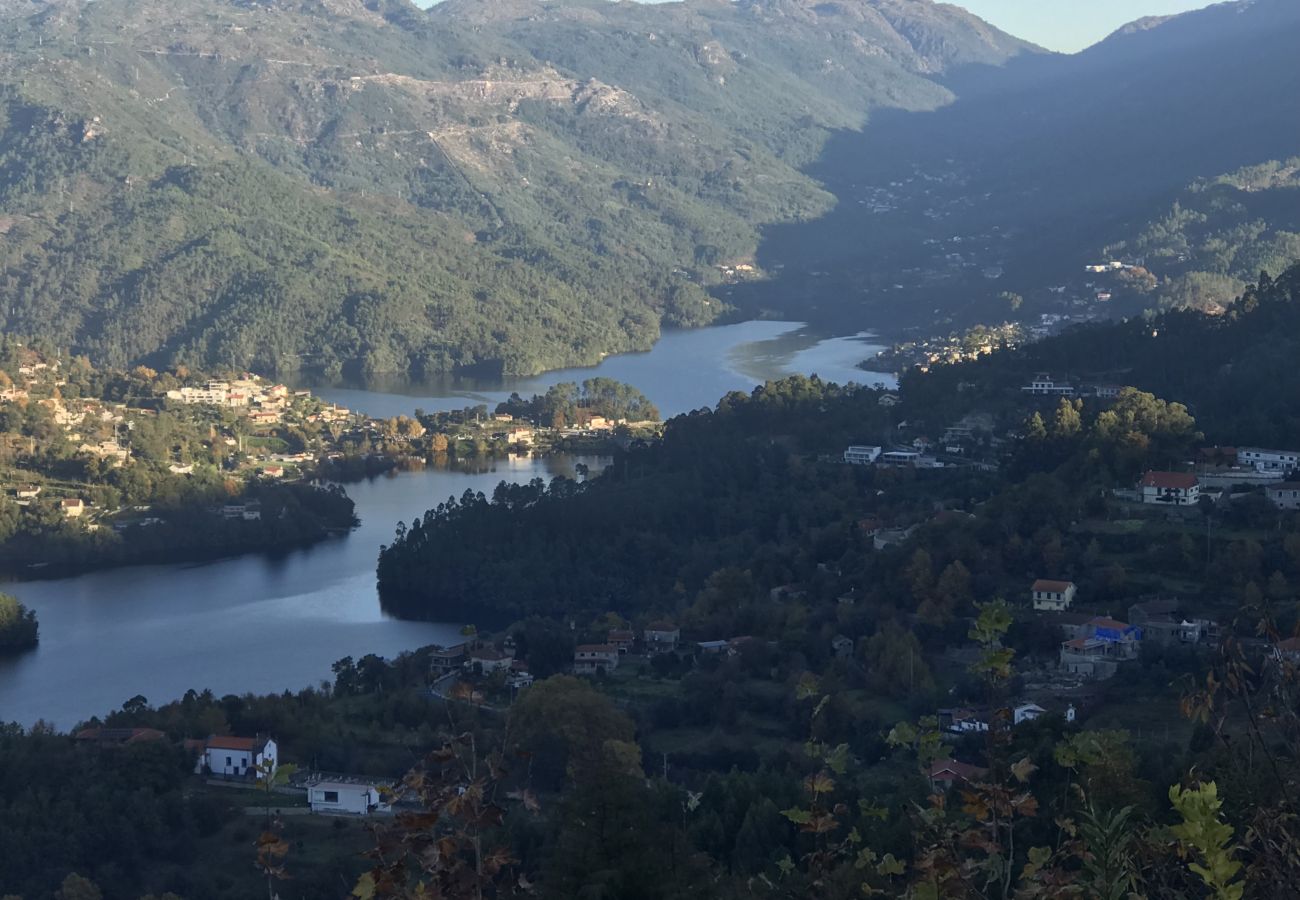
x=340 y=184
x=1039 y=163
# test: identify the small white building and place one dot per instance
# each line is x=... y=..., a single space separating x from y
x=861 y=456
x=238 y=757
x=359 y=799
x=1052 y=596
x=1269 y=460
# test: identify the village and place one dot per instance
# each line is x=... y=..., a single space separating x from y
x=66 y=429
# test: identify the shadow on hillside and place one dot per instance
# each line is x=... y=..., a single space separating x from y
x=1033 y=169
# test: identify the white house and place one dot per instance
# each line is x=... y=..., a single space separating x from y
x=343 y=797
x=1052 y=596
x=1269 y=460
x=900 y=458
x=861 y=456
x=590 y=659
x=1170 y=488
x=238 y=756
x=1044 y=385
x=1285 y=495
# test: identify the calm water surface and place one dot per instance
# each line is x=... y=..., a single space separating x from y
x=264 y=625
x=248 y=623
x=686 y=370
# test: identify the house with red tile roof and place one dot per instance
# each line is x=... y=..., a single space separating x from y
x=1170 y=488
x=1052 y=596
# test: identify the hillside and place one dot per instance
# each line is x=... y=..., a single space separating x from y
x=506 y=184
x=1037 y=165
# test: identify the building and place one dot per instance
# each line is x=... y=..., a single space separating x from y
x=74 y=508
x=1285 y=495
x=488 y=659
x=621 y=639
x=1044 y=385
x=28 y=492
x=842 y=646
x=1162 y=623
x=1026 y=712
x=944 y=773
x=1052 y=596
x=900 y=459
x=861 y=455
x=1269 y=460
x=593 y=659
x=446 y=660
x=1123 y=640
x=1170 y=488
x=237 y=757
x=713 y=648
x=1088 y=658
x=963 y=721
x=661 y=637
x=358 y=799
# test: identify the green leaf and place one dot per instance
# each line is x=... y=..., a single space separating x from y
x=797 y=816
x=890 y=866
x=365 y=889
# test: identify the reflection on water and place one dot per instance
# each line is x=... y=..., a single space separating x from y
x=252 y=623
x=686 y=370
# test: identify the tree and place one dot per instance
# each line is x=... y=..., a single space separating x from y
x=1067 y=421
x=75 y=887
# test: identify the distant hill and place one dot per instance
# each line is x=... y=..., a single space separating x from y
x=503 y=183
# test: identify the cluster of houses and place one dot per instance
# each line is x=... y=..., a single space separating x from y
x=483 y=659
x=1093 y=646
x=1226 y=469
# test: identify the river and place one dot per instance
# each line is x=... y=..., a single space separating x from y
x=686 y=370
x=263 y=624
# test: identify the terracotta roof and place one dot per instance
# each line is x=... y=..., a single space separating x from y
x=1170 y=481
x=1284 y=486
x=120 y=735
x=661 y=626
x=1290 y=645
x=1055 y=587
x=226 y=742
x=487 y=654
x=596 y=648
x=620 y=635
x=958 y=771
x=1107 y=622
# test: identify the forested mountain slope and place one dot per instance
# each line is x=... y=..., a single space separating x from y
x=283 y=185
x=747 y=485
x=1039 y=164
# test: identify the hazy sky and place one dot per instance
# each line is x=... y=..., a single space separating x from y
x=1070 y=25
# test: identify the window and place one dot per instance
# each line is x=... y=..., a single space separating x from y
x=331 y=796
x=228 y=762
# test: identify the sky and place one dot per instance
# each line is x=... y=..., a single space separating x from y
x=1070 y=25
